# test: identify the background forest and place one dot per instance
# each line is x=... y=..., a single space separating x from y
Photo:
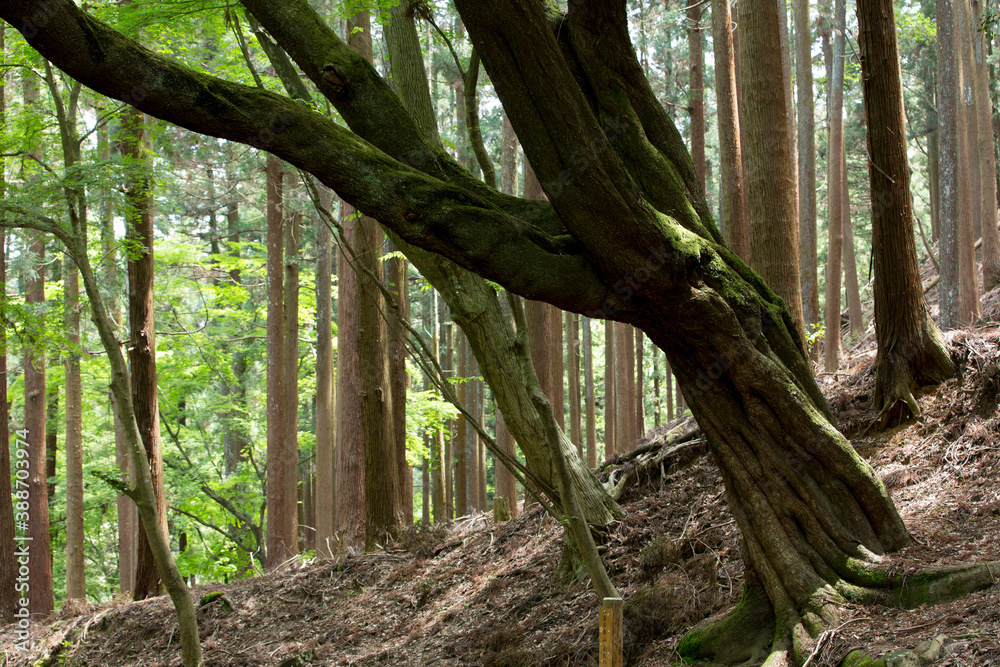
x=207 y=205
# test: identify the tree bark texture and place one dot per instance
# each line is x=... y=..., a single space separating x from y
x=610 y=392
x=696 y=88
x=835 y=198
x=949 y=107
x=325 y=407
x=731 y=189
x=968 y=175
x=350 y=452
x=774 y=246
x=910 y=348
x=850 y=263
x=573 y=382
x=75 y=565
x=984 y=149
x=590 y=402
x=142 y=335
x=279 y=535
x=807 y=166
x=8 y=563
x=292 y=233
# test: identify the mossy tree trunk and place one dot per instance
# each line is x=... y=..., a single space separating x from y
x=625 y=234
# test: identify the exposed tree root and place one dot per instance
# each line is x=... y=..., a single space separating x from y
x=758 y=630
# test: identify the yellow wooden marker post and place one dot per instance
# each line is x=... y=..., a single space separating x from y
x=611 y=633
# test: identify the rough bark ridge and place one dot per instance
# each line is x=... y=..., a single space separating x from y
x=625 y=234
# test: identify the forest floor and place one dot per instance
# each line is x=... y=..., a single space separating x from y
x=481 y=593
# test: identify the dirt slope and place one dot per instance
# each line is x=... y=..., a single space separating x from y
x=478 y=593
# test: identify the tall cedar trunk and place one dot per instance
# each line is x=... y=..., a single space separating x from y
x=668 y=385
x=40 y=602
x=128 y=518
x=350 y=452
x=850 y=263
x=968 y=173
x=279 y=536
x=656 y=390
x=52 y=426
x=142 y=334
x=640 y=405
x=573 y=383
x=769 y=175
x=461 y=460
x=949 y=107
x=910 y=348
x=984 y=149
x=785 y=31
x=449 y=444
x=8 y=563
x=291 y=231
x=731 y=190
x=400 y=382
x=610 y=392
x=325 y=405
x=75 y=565
x=624 y=388
x=506 y=487
x=590 y=399
x=812 y=513
x=437 y=460
x=425 y=503
x=742 y=127
x=383 y=509
x=696 y=92
x=934 y=182
x=481 y=449
x=473 y=403
x=556 y=359
x=508 y=157
x=807 y=166
x=835 y=198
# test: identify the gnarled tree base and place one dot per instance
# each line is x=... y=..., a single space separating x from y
x=755 y=632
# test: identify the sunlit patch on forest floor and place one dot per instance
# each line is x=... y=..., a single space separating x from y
x=479 y=593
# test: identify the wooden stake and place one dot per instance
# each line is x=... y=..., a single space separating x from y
x=611 y=633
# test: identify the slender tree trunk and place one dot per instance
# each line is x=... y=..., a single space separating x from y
x=437 y=459
x=610 y=392
x=640 y=407
x=39 y=562
x=769 y=174
x=350 y=452
x=400 y=382
x=850 y=264
x=807 y=167
x=425 y=503
x=449 y=446
x=461 y=459
x=835 y=198
x=573 y=370
x=292 y=224
x=8 y=563
x=508 y=157
x=624 y=387
x=910 y=348
x=556 y=359
x=668 y=385
x=506 y=487
x=968 y=177
x=949 y=107
x=731 y=191
x=75 y=565
x=590 y=398
x=279 y=537
x=142 y=342
x=986 y=160
x=696 y=93
x=934 y=185
x=325 y=374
